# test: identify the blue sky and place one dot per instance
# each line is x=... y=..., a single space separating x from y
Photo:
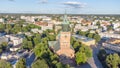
x=59 y=6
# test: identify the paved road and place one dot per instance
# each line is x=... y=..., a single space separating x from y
x=30 y=59
x=94 y=61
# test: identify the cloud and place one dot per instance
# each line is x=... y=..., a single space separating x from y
x=74 y=4
x=11 y=0
x=43 y=1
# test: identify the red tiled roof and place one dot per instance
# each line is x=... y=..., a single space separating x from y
x=41 y=23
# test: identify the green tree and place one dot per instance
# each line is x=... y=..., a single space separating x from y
x=4 y=45
x=90 y=35
x=8 y=28
x=98 y=23
x=40 y=64
x=30 y=45
x=51 y=37
x=60 y=65
x=97 y=37
x=72 y=40
x=80 y=57
x=83 y=54
x=109 y=28
x=2 y=27
x=21 y=63
x=102 y=54
x=113 y=60
x=5 y=64
x=82 y=33
x=39 y=50
x=102 y=57
x=76 y=46
x=1 y=49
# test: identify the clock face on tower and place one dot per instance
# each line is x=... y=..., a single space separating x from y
x=65 y=36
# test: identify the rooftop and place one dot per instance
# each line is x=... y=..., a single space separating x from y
x=83 y=38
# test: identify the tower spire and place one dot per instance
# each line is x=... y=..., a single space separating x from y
x=65 y=18
x=65 y=24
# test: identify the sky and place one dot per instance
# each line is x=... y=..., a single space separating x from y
x=59 y=6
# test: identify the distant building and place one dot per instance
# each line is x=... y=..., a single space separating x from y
x=2 y=20
x=57 y=28
x=16 y=40
x=85 y=40
x=110 y=35
x=116 y=25
x=4 y=56
x=15 y=48
x=36 y=30
x=44 y=25
x=28 y=18
x=62 y=46
x=3 y=39
x=112 y=44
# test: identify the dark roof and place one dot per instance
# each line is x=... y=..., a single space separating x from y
x=55 y=45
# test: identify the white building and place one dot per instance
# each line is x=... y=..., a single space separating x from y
x=3 y=39
x=36 y=30
x=28 y=18
x=4 y=56
x=109 y=35
x=116 y=25
x=15 y=40
x=1 y=20
x=15 y=48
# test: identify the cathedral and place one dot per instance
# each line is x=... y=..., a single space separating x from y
x=62 y=46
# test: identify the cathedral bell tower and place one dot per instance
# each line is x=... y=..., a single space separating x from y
x=65 y=34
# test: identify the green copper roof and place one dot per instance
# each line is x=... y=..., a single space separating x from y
x=65 y=24
x=55 y=45
x=65 y=21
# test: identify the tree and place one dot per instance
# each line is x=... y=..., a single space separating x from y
x=80 y=57
x=39 y=50
x=72 y=40
x=76 y=46
x=102 y=54
x=60 y=65
x=97 y=37
x=4 y=45
x=2 y=27
x=90 y=35
x=1 y=49
x=98 y=23
x=82 y=33
x=40 y=64
x=51 y=37
x=30 y=45
x=102 y=57
x=21 y=63
x=113 y=60
x=109 y=28
x=37 y=39
x=87 y=50
x=83 y=54
x=27 y=44
x=8 y=28
x=5 y=64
